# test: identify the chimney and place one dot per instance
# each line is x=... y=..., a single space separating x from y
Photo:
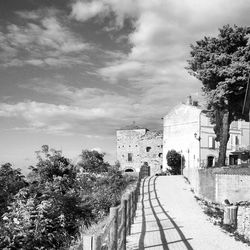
x=189 y=100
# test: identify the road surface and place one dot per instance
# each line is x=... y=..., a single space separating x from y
x=168 y=217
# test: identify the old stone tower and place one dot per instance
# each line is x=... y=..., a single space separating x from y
x=136 y=145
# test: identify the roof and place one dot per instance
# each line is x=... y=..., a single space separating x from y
x=132 y=126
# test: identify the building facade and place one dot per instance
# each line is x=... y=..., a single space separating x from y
x=137 y=145
x=188 y=130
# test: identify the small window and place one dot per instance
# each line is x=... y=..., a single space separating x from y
x=148 y=149
x=236 y=140
x=211 y=142
x=161 y=146
x=160 y=154
x=130 y=157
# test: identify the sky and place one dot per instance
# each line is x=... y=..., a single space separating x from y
x=72 y=72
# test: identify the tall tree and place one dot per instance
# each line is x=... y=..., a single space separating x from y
x=222 y=65
x=93 y=161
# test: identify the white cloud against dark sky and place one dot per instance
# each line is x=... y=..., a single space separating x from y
x=74 y=71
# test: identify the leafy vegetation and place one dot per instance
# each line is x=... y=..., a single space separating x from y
x=174 y=161
x=48 y=210
x=222 y=65
x=11 y=181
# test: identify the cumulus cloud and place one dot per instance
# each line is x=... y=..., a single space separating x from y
x=83 y=11
x=42 y=40
x=160 y=41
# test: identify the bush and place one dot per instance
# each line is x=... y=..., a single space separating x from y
x=174 y=161
x=59 y=200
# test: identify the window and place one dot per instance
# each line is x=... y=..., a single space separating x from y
x=211 y=142
x=233 y=159
x=160 y=154
x=130 y=157
x=148 y=149
x=234 y=140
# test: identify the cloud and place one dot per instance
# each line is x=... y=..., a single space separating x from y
x=83 y=11
x=42 y=41
x=160 y=42
x=121 y=10
x=86 y=111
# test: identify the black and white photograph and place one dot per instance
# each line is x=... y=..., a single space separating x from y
x=124 y=124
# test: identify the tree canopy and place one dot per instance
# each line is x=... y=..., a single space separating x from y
x=222 y=65
x=11 y=181
x=93 y=161
x=174 y=161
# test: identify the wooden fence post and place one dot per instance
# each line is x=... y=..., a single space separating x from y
x=124 y=204
x=129 y=214
x=133 y=205
x=114 y=228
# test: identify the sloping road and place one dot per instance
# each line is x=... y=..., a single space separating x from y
x=168 y=217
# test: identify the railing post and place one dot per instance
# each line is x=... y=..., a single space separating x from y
x=124 y=204
x=133 y=205
x=129 y=214
x=114 y=228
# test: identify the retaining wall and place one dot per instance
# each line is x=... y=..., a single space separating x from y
x=214 y=185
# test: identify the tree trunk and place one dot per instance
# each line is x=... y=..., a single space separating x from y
x=223 y=129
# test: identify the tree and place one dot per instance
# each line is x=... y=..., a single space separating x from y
x=49 y=212
x=93 y=161
x=11 y=181
x=222 y=65
x=174 y=161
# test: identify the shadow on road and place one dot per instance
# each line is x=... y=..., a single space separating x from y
x=164 y=243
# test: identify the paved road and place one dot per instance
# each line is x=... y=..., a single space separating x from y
x=168 y=217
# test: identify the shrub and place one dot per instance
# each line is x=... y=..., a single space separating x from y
x=174 y=161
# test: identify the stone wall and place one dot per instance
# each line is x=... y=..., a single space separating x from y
x=216 y=184
x=143 y=145
x=207 y=184
x=243 y=221
x=235 y=188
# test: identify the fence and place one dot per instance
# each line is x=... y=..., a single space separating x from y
x=118 y=227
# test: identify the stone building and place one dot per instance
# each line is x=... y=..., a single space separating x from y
x=136 y=145
x=188 y=130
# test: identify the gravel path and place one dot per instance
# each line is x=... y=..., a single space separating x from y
x=168 y=217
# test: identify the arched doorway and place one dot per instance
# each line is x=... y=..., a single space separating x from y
x=210 y=161
x=129 y=170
